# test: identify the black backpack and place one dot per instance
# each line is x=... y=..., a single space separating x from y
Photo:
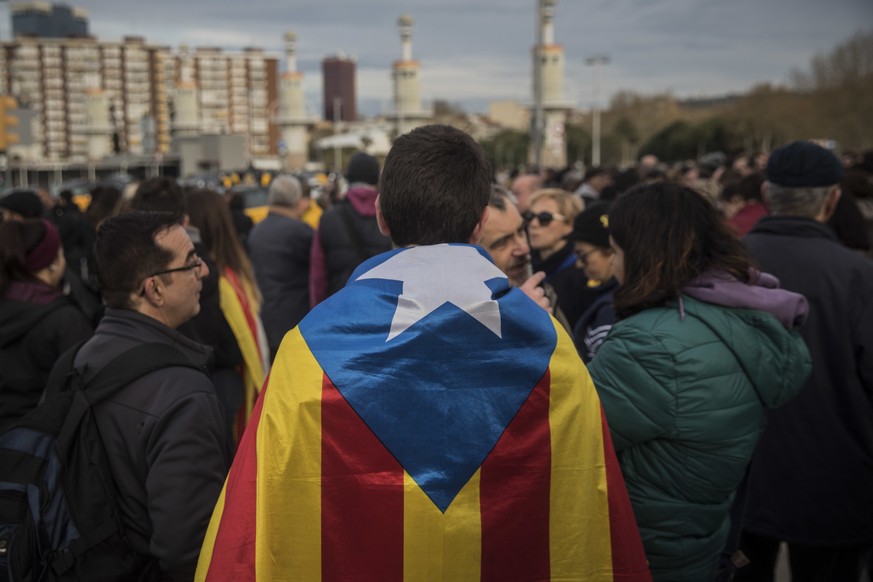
x=59 y=516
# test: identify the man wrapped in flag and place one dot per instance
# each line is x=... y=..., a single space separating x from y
x=427 y=422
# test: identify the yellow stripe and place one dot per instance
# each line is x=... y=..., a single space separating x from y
x=209 y=541
x=581 y=548
x=288 y=544
x=245 y=338
x=437 y=546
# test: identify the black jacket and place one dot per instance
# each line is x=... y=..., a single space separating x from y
x=31 y=339
x=341 y=248
x=164 y=437
x=595 y=323
x=812 y=476
x=279 y=248
x=210 y=327
x=569 y=282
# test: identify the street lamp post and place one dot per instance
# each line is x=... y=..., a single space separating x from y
x=596 y=61
x=337 y=149
x=537 y=121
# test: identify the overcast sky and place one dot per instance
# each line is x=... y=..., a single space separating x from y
x=473 y=51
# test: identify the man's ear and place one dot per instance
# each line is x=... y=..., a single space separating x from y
x=380 y=220
x=830 y=205
x=476 y=235
x=151 y=293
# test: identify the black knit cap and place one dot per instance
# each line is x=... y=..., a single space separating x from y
x=24 y=202
x=803 y=164
x=363 y=168
x=592 y=225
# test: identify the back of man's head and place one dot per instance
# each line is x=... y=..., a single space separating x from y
x=127 y=254
x=523 y=186
x=161 y=194
x=285 y=191
x=435 y=184
x=800 y=176
x=363 y=169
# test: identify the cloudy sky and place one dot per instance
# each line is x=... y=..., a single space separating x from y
x=474 y=51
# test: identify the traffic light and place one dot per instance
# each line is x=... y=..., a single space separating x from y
x=9 y=122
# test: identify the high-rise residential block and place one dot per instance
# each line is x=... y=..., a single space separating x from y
x=338 y=73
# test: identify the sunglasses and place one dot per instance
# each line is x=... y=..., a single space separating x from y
x=544 y=218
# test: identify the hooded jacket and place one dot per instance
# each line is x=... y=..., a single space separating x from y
x=164 y=439
x=685 y=388
x=34 y=331
x=334 y=253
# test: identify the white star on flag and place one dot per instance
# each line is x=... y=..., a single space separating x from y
x=438 y=274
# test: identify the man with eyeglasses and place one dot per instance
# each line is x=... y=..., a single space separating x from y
x=164 y=432
x=505 y=239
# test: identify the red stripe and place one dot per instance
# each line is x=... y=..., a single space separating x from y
x=233 y=557
x=361 y=497
x=515 y=502
x=628 y=557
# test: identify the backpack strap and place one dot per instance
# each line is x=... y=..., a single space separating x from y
x=118 y=373
x=132 y=365
x=62 y=371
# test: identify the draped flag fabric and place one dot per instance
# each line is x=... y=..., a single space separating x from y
x=240 y=307
x=427 y=422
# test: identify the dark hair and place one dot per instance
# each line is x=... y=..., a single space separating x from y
x=500 y=197
x=235 y=201
x=161 y=194
x=670 y=235
x=208 y=212
x=105 y=202
x=434 y=186
x=17 y=238
x=126 y=253
x=593 y=172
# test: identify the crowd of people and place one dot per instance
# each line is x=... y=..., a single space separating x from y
x=659 y=373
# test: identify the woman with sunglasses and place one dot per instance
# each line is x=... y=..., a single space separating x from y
x=549 y=224
x=703 y=346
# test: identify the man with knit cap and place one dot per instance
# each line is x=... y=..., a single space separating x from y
x=348 y=233
x=811 y=481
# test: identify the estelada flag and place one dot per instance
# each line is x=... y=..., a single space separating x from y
x=427 y=422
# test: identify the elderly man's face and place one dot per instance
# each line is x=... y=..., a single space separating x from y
x=504 y=238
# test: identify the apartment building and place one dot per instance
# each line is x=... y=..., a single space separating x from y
x=53 y=77
x=57 y=78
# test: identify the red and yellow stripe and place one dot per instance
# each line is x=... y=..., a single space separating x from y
x=314 y=495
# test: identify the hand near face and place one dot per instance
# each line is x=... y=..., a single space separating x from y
x=532 y=289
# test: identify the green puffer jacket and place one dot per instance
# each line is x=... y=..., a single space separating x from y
x=685 y=398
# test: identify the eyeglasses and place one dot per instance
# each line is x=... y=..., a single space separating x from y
x=584 y=256
x=198 y=262
x=544 y=218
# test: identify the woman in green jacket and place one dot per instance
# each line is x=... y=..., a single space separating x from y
x=704 y=345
